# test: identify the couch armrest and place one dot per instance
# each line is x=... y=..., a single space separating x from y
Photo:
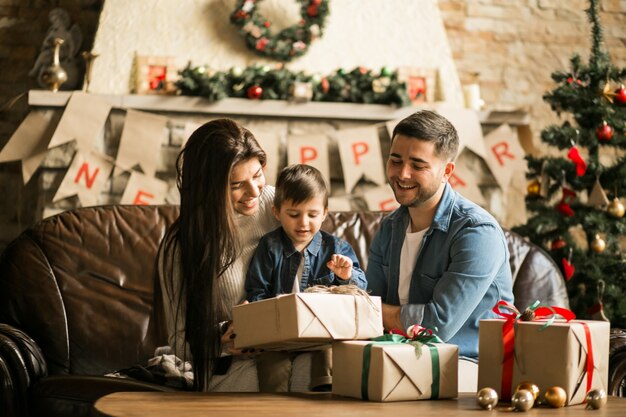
x=21 y=364
x=617 y=363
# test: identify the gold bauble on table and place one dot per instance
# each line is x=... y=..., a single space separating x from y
x=598 y=244
x=529 y=386
x=487 y=398
x=534 y=188
x=555 y=397
x=616 y=208
x=595 y=399
x=522 y=400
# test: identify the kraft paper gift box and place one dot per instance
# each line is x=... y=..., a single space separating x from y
x=396 y=372
x=304 y=320
x=573 y=355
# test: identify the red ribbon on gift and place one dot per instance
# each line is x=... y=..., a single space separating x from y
x=508 y=335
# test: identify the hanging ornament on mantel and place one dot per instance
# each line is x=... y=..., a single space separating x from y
x=597 y=197
x=255 y=92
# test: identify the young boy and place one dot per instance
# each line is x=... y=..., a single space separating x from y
x=294 y=257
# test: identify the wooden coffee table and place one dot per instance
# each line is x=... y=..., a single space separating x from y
x=191 y=404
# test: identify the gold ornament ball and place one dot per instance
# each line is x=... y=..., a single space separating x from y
x=487 y=398
x=616 y=208
x=534 y=187
x=555 y=397
x=598 y=244
x=522 y=400
x=596 y=398
x=529 y=386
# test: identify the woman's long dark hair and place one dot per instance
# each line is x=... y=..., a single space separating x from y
x=205 y=232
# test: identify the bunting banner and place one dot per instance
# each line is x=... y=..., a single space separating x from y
x=360 y=153
x=270 y=142
x=311 y=150
x=29 y=143
x=468 y=128
x=380 y=199
x=337 y=204
x=86 y=177
x=141 y=141
x=83 y=120
x=505 y=156
x=465 y=182
x=143 y=189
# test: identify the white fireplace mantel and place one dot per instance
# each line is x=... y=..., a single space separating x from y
x=264 y=108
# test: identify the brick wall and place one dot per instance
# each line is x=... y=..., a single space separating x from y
x=513 y=44
x=516 y=44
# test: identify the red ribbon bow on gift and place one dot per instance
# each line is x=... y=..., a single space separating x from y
x=512 y=316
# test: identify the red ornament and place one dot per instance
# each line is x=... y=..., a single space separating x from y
x=570 y=80
x=568 y=269
x=620 y=96
x=558 y=244
x=266 y=23
x=312 y=10
x=261 y=44
x=325 y=85
x=604 y=132
x=255 y=92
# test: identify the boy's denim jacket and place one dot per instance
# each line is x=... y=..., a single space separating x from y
x=275 y=263
x=460 y=274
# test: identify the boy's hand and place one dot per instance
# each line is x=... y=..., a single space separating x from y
x=341 y=266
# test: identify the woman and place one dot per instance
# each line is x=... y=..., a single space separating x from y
x=225 y=208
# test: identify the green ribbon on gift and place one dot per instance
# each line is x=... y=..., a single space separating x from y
x=393 y=339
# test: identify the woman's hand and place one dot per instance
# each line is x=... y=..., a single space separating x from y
x=341 y=265
x=228 y=342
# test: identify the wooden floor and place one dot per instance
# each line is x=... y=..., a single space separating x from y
x=156 y=404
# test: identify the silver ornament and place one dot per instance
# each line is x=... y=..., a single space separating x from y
x=522 y=400
x=487 y=398
x=595 y=399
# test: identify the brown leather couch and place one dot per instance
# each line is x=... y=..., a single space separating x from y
x=78 y=301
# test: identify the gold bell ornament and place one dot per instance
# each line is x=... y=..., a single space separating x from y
x=534 y=188
x=616 y=208
x=487 y=398
x=598 y=244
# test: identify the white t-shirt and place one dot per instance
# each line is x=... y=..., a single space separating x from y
x=408 y=257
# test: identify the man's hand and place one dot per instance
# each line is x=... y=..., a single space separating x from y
x=391 y=317
x=341 y=265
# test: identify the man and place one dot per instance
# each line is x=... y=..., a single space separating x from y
x=439 y=260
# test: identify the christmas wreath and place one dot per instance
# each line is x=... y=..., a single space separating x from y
x=289 y=43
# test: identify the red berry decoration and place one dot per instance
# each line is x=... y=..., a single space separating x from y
x=558 y=244
x=620 y=96
x=255 y=92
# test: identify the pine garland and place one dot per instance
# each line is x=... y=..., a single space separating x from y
x=360 y=85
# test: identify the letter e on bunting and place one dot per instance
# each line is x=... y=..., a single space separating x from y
x=361 y=157
x=143 y=189
x=86 y=177
x=311 y=150
x=505 y=156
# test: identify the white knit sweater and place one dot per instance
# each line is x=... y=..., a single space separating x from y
x=230 y=285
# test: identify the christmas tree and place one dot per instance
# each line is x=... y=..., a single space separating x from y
x=575 y=189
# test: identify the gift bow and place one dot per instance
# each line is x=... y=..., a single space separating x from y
x=421 y=336
x=512 y=315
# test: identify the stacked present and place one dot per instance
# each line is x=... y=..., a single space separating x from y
x=386 y=368
x=571 y=355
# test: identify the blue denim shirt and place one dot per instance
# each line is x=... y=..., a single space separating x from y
x=275 y=263
x=461 y=272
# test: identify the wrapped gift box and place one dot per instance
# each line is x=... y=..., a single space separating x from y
x=305 y=320
x=396 y=371
x=561 y=354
